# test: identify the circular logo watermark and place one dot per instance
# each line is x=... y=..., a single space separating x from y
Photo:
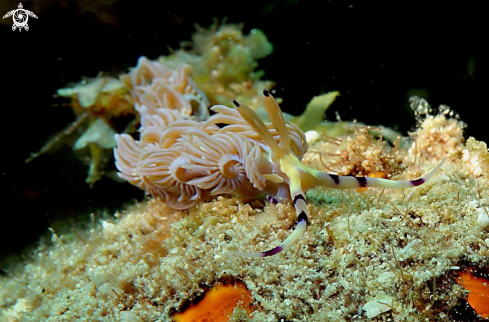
x=20 y=17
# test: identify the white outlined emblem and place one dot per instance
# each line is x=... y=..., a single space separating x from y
x=20 y=17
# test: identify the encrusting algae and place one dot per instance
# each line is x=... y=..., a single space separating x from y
x=368 y=255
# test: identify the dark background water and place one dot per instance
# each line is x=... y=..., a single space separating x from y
x=376 y=54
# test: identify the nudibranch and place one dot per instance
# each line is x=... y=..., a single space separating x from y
x=293 y=178
x=183 y=160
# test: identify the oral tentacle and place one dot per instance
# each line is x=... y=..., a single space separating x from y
x=296 y=234
x=346 y=182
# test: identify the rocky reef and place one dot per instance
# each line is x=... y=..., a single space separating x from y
x=368 y=254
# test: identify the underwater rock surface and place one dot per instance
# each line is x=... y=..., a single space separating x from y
x=372 y=254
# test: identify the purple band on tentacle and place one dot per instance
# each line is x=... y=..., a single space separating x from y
x=362 y=181
x=418 y=182
x=265 y=92
x=335 y=178
x=272 y=251
x=272 y=200
x=278 y=249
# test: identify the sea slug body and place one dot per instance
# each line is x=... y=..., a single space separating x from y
x=183 y=159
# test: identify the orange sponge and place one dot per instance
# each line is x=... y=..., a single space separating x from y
x=218 y=304
x=479 y=291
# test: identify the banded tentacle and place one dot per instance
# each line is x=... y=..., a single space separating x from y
x=347 y=182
